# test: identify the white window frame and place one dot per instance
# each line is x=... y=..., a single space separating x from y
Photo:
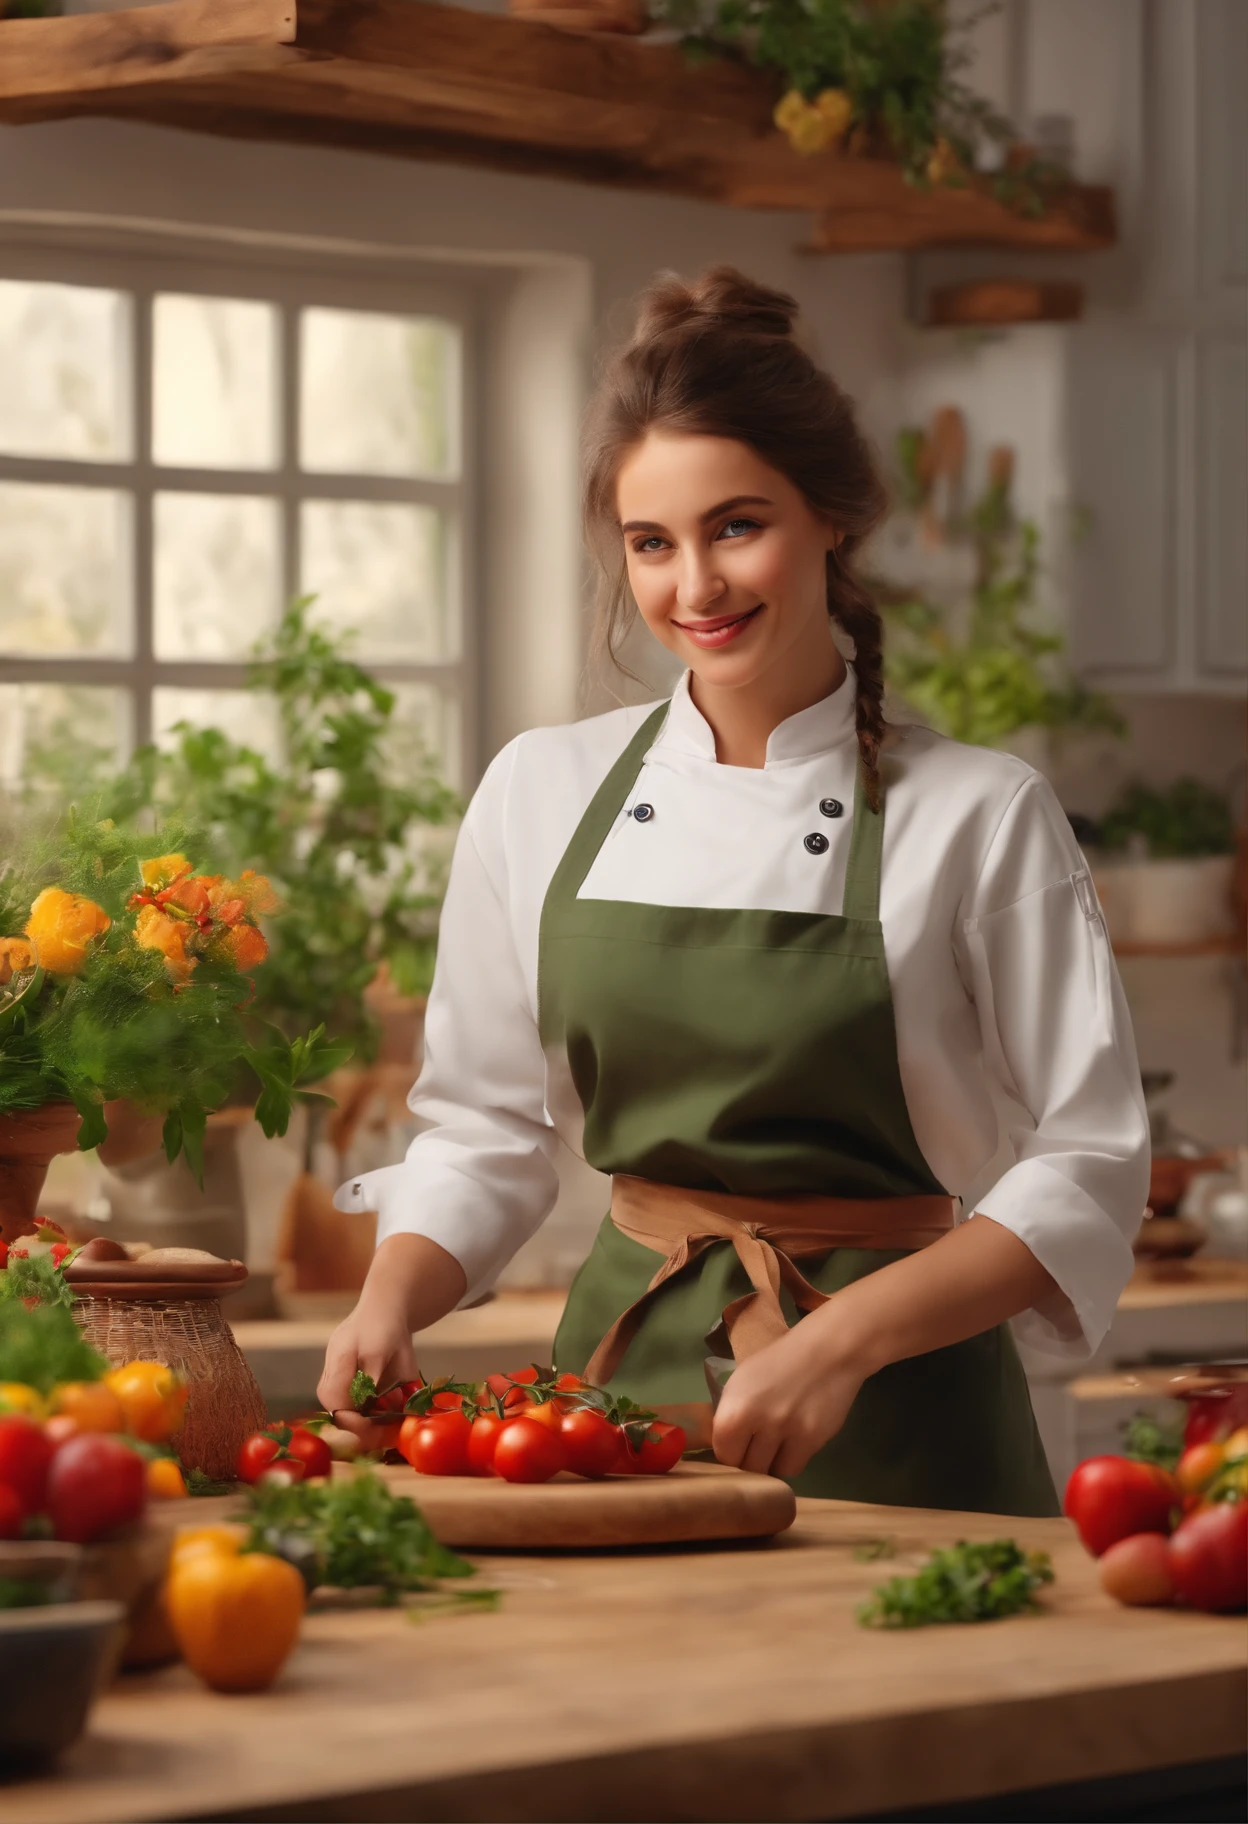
x=291 y=281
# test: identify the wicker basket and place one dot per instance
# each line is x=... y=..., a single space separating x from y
x=188 y=1333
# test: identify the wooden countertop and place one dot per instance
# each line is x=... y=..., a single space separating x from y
x=695 y=1683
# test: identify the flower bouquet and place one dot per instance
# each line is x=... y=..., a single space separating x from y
x=126 y=991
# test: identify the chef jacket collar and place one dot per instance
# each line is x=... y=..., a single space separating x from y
x=827 y=724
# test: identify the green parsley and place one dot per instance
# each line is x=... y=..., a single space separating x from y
x=962 y=1582
x=43 y=1346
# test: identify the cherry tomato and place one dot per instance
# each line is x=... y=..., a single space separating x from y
x=542 y=1412
x=25 y=1455
x=392 y=1400
x=627 y=1452
x=11 y=1515
x=1137 y=1571
x=526 y=1452
x=661 y=1449
x=482 y=1438
x=592 y=1442
x=312 y=1451
x=1209 y=1557
x=437 y=1443
x=255 y=1455
x=96 y=1484
x=500 y=1385
x=1215 y=1415
x=1109 y=1498
x=1198 y=1465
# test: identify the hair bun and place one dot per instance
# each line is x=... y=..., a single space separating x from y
x=722 y=295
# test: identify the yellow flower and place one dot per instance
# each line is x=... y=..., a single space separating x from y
x=61 y=927
x=16 y=956
x=163 y=870
x=789 y=110
x=836 y=110
x=943 y=163
x=155 y=930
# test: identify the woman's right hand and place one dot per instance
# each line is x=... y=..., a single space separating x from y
x=411 y=1283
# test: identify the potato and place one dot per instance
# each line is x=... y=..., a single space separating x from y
x=1137 y=1571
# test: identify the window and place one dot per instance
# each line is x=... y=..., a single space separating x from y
x=185 y=447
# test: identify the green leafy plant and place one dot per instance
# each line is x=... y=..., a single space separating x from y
x=328 y=824
x=41 y=1345
x=352 y=1533
x=962 y=1582
x=997 y=673
x=894 y=70
x=1185 y=819
x=1149 y=1439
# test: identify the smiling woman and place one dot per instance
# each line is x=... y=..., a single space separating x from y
x=754 y=953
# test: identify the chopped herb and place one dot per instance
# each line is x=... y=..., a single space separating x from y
x=962 y=1582
x=198 y=1483
x=363 y=1389
x=35 y=1276
x=351 y=1533
x=871 y=1549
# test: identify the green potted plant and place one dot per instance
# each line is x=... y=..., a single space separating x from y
x=1165 y=862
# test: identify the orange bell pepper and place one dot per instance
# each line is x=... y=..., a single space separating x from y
x=153 y=1399
x=165 y=1481
x=235 y=1616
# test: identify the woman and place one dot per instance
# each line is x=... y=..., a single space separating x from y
x=757 y=954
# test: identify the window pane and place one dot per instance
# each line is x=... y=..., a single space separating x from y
x=424 y=729
x=216 y=576
x=60 y=735
x=214 y=383
x=64 y=372
x=64 y=569
x=381 y=570
x=378 y=395
x=246 y=716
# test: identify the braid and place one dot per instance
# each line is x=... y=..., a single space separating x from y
x=853 y=610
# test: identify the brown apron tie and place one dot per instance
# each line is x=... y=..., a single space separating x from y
x=766 y=1232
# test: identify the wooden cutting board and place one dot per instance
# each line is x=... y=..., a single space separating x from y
x=693 y=1501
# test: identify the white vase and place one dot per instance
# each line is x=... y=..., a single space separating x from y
x=1167 y=903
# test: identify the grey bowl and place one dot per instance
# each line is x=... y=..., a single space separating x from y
x=54 y=1659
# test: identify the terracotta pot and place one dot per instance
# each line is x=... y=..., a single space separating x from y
x=30 y=1138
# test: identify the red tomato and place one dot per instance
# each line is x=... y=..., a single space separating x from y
x=661 y=1449
x=11 y=1515
x=572 y=1383
x=96 y=1484
x=25 y=1454
x=255 y=1455
x=1209 y=1557
x=1198 y=1465
x=543 y=1412
x=1137 y=1571
x=482 y=1438
x=526 y=1452
x=1212 y=1416
x=60 y=1428
x=1109 y=1498
x=627 y=1452
x=437 y=1443
x=310 y=1450
x=500 y=1385
x=592 y=1442
x=392 y=1400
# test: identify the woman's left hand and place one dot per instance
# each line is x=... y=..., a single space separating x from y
x=783 y=1404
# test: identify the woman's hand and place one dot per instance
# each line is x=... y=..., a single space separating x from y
x=411 y=1283
x=783 y=1404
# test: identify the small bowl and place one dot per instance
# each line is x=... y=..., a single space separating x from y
x=54 y=1660
x=51 y=1565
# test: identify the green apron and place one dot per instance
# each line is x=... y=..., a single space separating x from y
x=754 y=1052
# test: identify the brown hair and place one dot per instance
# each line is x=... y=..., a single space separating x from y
x=719 y=358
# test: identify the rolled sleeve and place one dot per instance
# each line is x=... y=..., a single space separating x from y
x=482 y=1178
x=1057 y=1035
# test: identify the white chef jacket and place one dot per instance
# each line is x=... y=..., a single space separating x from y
x=997 y=954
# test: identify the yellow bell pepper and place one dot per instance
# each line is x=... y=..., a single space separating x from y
x=153 y=1399
x=165 y=1481
x=235 y=1615
x=16 y=1396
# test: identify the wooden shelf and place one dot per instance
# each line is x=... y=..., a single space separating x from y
x=437 y=82
x=1212 y=946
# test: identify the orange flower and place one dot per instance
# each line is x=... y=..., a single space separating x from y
x=247 y=947
x=190 y=893
x=163 y=870
x=155 y=930
x=62 y=927
x=252 y=894
x=16 y=956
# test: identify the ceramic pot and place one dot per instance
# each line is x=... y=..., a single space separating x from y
x=1170 y=904
x=30 y=1138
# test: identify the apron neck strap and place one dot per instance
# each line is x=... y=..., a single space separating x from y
x=866 y=847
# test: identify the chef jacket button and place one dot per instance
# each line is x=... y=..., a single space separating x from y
x=831 y=807
x=816 y=842
x=643 y=812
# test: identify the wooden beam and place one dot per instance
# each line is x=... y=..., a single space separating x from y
x=434 y=81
